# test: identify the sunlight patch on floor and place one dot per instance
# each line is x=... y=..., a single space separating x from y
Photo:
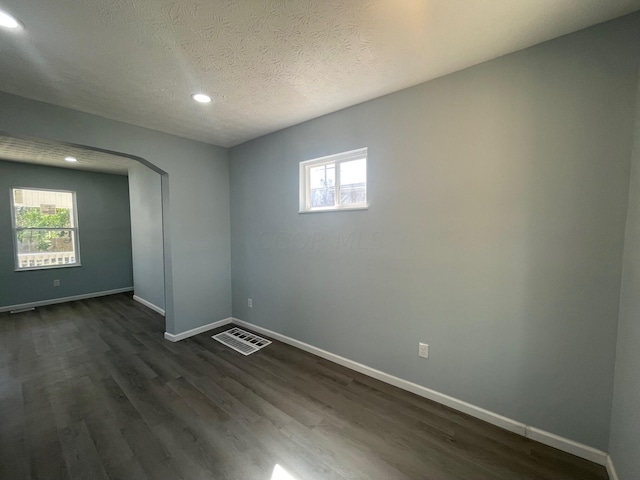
x=280 y=473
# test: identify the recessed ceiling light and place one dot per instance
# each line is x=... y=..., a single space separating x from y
x=201 y=98
x=7 y=21
x=70 y=159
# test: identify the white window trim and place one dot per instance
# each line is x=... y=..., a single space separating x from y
x=14 y=230
x=336 y=159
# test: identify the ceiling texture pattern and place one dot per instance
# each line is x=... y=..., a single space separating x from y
x=266 y=64
x=44 y=152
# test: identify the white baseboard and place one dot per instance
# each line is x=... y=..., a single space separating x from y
x=148 y=304
x=54 y=301
x=547 y=438
x=196 y=331
x=566 y=445
x=611 y=470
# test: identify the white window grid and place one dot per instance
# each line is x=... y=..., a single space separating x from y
x=334 y=159
x=62 y=259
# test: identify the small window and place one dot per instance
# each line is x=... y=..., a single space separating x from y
x=45 y=228
x=335 y=182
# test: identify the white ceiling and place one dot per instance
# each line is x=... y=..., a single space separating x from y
x=44 y=152
x=268 y=64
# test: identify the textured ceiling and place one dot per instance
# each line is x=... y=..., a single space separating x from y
x=44 y=152
x=267 y=64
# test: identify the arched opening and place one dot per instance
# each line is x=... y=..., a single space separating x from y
x=148 y=203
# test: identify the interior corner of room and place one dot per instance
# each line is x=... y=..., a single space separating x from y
x=502 y=228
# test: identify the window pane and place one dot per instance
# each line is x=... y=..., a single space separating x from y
x=40 y=208
x=36 y=217
x=322 y=185
x=319 y=177
x=42 y=247
x=353 y=182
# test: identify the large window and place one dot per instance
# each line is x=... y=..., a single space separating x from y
x=335 y=182
x=45 y=228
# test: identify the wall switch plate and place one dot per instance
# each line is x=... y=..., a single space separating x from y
x=56 y=283
x=423 y=350
x=249 y=303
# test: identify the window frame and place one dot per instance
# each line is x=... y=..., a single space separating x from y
x=74 y=229
x=334 y=159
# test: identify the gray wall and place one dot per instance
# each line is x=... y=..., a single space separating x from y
x=495 y=231
x=145 y=191
x=104 y=232
x=624 y=445
x=197 y=200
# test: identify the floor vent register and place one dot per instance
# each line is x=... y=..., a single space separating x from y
x=241 y=341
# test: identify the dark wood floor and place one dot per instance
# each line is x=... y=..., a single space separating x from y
x=90 y=389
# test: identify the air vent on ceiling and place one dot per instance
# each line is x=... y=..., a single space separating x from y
x=241 y=341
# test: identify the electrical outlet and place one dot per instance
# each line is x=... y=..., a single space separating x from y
x=423 y=350
x=56 y=283
x=249 y=303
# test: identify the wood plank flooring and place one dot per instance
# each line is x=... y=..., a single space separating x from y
x=91 y=390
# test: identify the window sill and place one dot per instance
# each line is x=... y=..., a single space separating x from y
x=47 y=267
x=334 y=209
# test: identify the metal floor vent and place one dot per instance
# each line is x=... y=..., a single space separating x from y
x=241 y=341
